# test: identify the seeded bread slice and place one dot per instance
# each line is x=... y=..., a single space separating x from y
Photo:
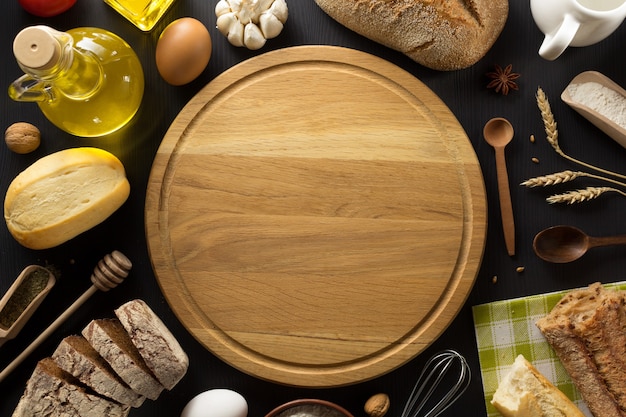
x=76 y=356
x=156 y=344
x=110 y=340
x=52 y=392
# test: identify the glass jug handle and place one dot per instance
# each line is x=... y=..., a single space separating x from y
x=27 y=88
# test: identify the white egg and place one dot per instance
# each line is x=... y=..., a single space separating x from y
x=216 y=403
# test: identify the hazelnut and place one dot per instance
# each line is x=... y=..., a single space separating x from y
x=22 y=137
x=377 y=405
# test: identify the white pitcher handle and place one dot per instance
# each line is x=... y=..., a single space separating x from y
x=555 y=43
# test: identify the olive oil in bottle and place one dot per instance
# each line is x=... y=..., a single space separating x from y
x=86 y=81
x=142 y=13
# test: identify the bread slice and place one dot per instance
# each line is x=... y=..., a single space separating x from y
x=156 y=344
x=52 y=392
x=525 y=392
x=586 y=330
x=76 y=356
x=110 y=340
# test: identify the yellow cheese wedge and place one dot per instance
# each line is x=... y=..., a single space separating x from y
x=63 y=195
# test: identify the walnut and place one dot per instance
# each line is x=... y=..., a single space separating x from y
x=377 y=405
x=22 y=137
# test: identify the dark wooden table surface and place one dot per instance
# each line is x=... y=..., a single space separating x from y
x=463 y=91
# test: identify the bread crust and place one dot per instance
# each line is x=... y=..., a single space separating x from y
x=441 y=35
x=586 y=330
x=109 y=338
x=52 y=392
x=77 y=357
x=156 y=344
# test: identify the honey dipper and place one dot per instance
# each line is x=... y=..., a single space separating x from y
x=108 y=274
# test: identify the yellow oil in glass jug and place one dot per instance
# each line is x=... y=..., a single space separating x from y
x=142 y=13
x=86 y=81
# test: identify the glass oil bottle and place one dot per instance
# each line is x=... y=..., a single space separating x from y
x=86 y=81
x=142 y=13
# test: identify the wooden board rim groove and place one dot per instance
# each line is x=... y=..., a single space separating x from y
x=224 y=344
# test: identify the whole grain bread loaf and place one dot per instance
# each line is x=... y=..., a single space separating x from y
x=76 y=356
x=52 y=392
x=158 y=347
x=442 y=35
x=111 y=341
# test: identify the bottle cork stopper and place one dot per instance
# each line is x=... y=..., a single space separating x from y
x=36 y=47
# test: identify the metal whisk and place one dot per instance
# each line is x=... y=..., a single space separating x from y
x=447 y=365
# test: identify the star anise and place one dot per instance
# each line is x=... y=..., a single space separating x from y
x=503 y=80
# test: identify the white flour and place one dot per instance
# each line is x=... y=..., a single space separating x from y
x=601 y=99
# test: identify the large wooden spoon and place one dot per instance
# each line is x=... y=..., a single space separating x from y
x=562 y=244
x=498 y=132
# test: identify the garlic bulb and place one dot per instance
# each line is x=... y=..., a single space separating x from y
x=250 y=23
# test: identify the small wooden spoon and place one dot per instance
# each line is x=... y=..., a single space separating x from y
x=498 y=132
x=562 y=244
x=28 y=310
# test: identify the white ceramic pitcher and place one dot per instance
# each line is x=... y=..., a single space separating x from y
x=575 y=22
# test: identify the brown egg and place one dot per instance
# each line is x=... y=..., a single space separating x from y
x=183 y=51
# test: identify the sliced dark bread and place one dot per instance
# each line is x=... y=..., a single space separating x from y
x=109 y=338
x=76 y=356
x=156 y=344
x=52 y=392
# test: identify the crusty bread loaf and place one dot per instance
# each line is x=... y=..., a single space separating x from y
x=442 y=35
x=525 y=392
x=64 y=194
x=156 y=344
x=587 y=331
x=112 y=342
x=52 y=392
x=76 y=356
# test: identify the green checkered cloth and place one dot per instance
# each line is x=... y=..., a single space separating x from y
x=505 y=329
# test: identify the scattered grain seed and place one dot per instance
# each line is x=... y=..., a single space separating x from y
x=532 y=138
x=494 y=279
x=535 y=160
x=519 y=269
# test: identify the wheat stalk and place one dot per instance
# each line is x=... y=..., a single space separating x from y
x=579 y=196
x=549 y=124
x=564 y=176
x=552 y=179
x=552 y=134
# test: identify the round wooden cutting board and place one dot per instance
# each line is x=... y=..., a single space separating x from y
x=316 y=216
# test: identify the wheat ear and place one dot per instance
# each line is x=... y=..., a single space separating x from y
x=579 y=196
x=552 y=134
x=565 y=176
